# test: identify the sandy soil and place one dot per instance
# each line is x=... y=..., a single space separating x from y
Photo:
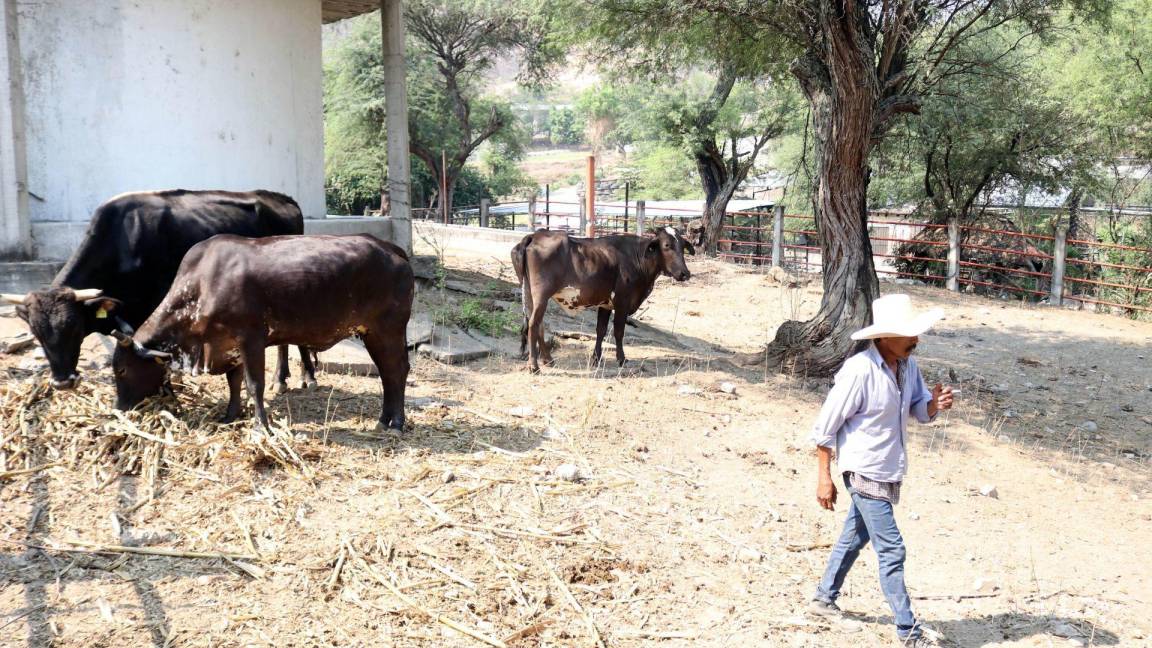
x=695 y=524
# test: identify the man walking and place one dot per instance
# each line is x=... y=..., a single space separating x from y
x=864 y=423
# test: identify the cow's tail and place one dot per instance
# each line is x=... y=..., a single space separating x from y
x=520 y=265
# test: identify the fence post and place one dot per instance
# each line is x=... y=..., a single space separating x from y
x=639 y=217
x=583 y=217
x=484 y=205
x=777 y=236
x=532 y=213
x=626 y=207
x=953 y=280
x=1059 y=254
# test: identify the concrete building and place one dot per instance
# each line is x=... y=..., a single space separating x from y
x=109 y=96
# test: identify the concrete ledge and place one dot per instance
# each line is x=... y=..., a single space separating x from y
x=431 y=229
x=341 y=225
x=57 y=240
x=25 y=276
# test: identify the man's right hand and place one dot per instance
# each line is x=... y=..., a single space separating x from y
x=826 y=493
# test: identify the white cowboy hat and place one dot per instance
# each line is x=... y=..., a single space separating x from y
x=892 y=316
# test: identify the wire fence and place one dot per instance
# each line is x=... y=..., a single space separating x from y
x=1001 y=261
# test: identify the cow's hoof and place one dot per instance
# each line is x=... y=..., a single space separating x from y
x=281 y=389
x=533 y=370
x=384 y=428
x=309 y=385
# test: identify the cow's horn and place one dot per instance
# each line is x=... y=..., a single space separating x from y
x=88 y=293
x=122 y=338
x=13 y=299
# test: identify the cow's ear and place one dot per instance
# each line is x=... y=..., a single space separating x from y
x=103 y=306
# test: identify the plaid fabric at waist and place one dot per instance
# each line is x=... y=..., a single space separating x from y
x=886 y=491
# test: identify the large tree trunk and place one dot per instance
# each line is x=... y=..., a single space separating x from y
x=839 y=81
x=719 y=186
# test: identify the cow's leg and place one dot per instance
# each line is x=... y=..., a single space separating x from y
x=282 y=371
x=254 y=376
x=618 y=324
x=602 y=315
x=235 y=401
x=391 y=358
x=309 y=368
x=536 y=337
x=526 y=304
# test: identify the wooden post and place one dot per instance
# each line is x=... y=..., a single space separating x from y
x=548 y=206
x=639 y=217
x=532 y=213
x=777 y=236
x=444 y=185
x=1059 y=255
x=953 y=280
x=485 y=205
x=583 y=229
x=396 y=122
x=590 y=197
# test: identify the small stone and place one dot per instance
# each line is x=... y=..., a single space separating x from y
x=989 y=490
x=568 y=472
x=1029 y=385
x=985 y=586
x=727 y=388
x=913 y=516
x=522 y=411
x=850 y=626
x=448 y=477
x=1010 y=413
x=748 y=554
x=1089 y=426
x=1126 y=408
x=1066 y=630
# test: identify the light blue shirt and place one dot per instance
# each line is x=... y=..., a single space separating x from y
x=865 y=417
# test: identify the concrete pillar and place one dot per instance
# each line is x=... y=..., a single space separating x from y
x=396 y=122
x=15 y=227
x=583 y=217
x=953 y=280
x=1059 y=255
x=640 y=217
x=777 y=236
x=485 y=205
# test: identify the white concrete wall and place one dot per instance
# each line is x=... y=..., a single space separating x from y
x=125 y=95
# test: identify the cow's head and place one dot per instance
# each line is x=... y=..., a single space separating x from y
x=60 y=318
x=668 y=247
x=138 y=372
x=694 y=232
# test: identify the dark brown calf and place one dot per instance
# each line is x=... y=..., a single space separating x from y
x=611 y=274
x=234 y=296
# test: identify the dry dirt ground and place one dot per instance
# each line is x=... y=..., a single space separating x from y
x=694 y=522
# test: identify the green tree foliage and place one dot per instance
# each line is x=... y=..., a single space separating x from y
x=451 y=45
x=355 y=138
x=721 y=119
x=454 y=43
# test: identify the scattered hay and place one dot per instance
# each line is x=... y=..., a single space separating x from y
x=80 y=430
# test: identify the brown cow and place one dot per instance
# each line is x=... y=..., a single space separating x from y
x=234 y=296
x=611 y=273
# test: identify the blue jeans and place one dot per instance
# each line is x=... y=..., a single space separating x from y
x=871 y=519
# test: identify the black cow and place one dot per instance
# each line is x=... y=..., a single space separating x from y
x=128 y=259
x=610 y=273
x=234 y=296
